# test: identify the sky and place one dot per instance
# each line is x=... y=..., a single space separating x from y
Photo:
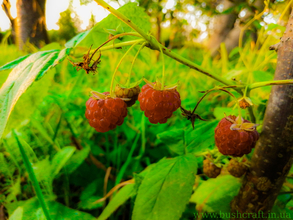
x=55 y=7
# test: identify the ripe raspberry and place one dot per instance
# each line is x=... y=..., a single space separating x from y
x=158 y=105
x=210 y=169
x=236 y=168
x=106 y=113
x=131 y=93
x=235 y=139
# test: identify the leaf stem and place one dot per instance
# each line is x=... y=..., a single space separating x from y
x=163 y=73
x=123 y=44
x=32 y=177
x=115 y=71
x=141 y=47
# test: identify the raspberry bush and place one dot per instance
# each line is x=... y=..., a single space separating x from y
x=71 y=150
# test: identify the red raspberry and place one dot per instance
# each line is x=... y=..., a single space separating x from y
x=105 y=114
x=158 y=105
x=235 y=139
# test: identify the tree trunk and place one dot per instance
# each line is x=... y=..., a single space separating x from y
x=30 y=23
x=223 y=24
x=6 y=7
x=273 y=155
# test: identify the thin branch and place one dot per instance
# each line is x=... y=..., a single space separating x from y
x=153 y=44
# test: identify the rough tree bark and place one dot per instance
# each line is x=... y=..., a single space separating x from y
x=273 y=155
x=30 y=23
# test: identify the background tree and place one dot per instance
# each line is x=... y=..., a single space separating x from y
x=30 y=24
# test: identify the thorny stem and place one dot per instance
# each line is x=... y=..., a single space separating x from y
x=114 y=74
x=141 y=47
x=156 y=46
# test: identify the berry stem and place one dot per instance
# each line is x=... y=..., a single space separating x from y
x=141 y=47
x=270 y=83
x=104 y=48
x=208 y=91
x=154 y=45
x=113 y=38
x=163 y=63
x=114 y=74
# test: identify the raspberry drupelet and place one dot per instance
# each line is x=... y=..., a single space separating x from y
x=105 y=113
x=234 y=138
x=158 y=105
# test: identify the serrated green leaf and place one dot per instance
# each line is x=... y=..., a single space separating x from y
x=99 y=33
x=174 y=139
x=201 y=137
x=215 y=195
x=22 y=76
x=165 y=191
x=13 y=63
x=76 y=39
x=60 y=159
x=121 y=197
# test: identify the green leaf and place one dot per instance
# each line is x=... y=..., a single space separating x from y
x=99 y=33
x=77 y=159
x=60 y=159
x=5 y=168
x=31 y=211
x=174 y=139
x=215 y=195
x=165 y=191
x=22 y=76
x=201 y=137
x=17 y=214
x=219 y=112
x=272 y=26
x=121 y=197
x=76 y=39
x=89 y=203
x=13 y=63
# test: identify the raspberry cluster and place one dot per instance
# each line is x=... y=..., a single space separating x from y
x=105 y=114
x=234 y=142
x=158 y=105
